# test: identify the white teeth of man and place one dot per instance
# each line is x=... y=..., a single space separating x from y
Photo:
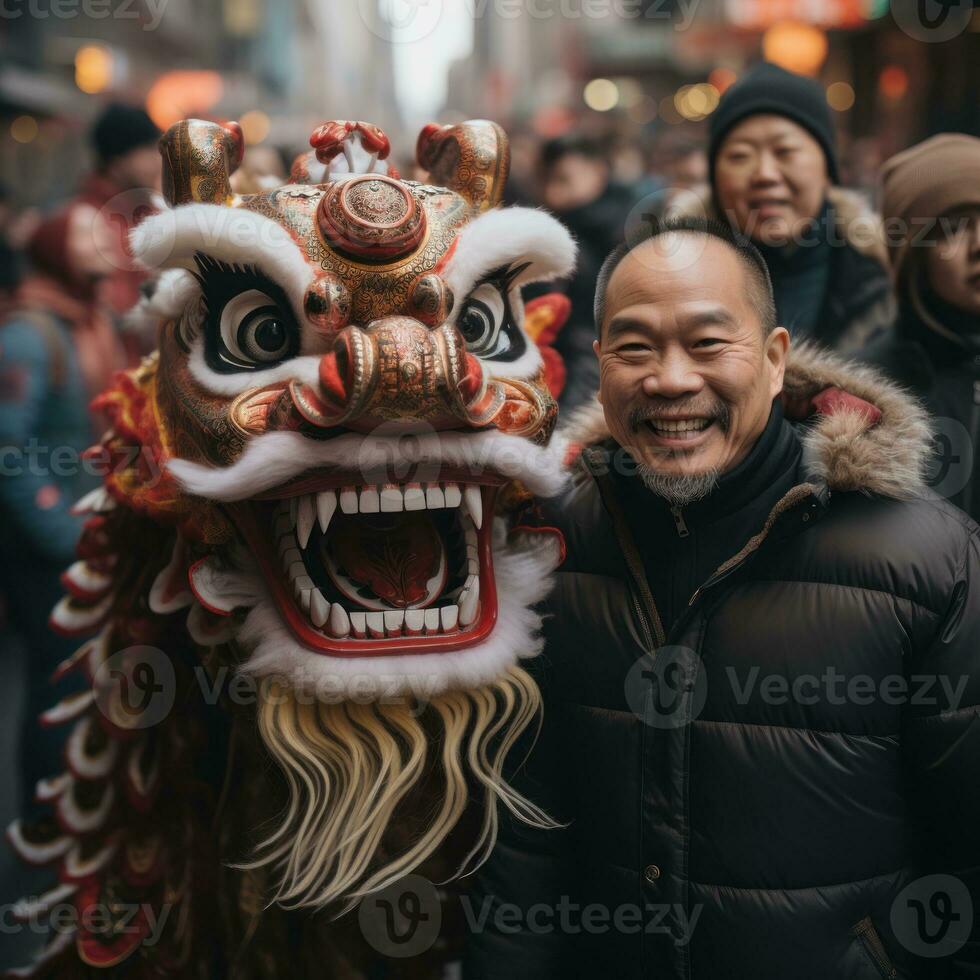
x=679 y=425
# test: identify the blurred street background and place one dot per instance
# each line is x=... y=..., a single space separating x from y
x=641 y=74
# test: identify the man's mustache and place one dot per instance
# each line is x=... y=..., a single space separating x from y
x=666 y=408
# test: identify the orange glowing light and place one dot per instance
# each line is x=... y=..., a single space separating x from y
x=801 y=48
x=893 y=82
x=180 y=94
x=722 y=78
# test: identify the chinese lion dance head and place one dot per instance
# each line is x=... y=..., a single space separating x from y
x=349 y=406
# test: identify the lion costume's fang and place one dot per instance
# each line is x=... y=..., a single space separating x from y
x=309 y=593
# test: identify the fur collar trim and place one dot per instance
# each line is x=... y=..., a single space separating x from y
x=842 y=451
x=855 y=222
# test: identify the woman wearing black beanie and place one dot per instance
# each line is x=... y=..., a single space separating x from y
x=773 y=173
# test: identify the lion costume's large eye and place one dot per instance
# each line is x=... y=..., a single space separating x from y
x=248 y=324
x=255 y=331
x=487 y=325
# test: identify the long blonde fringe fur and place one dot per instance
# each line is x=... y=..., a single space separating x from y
x=348 y=766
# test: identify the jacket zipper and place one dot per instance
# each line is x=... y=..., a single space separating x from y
x=679 y=522
x=643 y=602
x=868 y=935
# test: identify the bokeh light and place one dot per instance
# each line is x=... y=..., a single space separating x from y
x=695 y=102
x=93 y=68
x=24 y=129
x=182 y=94
x=722 y=79
x=840 y=96
x=255 y=126
x=796 y=47
x=601 y=94
x=893 y=82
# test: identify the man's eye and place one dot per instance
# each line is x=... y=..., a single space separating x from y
x=255 y=332
x=486 y=325
x=709 y=342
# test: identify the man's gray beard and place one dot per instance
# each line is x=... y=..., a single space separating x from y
x=678 y=491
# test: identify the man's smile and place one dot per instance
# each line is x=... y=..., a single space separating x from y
x=680 y=432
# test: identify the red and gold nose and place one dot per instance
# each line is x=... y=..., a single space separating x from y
x=372 y=217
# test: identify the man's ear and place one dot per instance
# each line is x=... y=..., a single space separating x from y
x=776 y=351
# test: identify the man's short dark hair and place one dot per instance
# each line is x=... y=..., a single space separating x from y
x=760 y=292
x=571 y=144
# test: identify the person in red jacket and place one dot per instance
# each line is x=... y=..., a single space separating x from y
x=124 y=186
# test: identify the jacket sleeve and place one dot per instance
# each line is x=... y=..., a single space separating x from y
x=941 y=736
x=513 y=908
x=49 y=526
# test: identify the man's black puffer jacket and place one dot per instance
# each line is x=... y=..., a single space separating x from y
x=738 y=812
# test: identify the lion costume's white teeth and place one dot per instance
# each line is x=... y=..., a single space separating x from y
x=293 y=526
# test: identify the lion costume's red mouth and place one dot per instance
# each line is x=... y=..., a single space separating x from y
x=364 y=569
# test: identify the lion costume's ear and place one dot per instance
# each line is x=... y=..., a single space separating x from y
x=198 y=160
x=472 y=159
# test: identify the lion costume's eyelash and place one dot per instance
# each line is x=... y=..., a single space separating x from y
x=220 y=281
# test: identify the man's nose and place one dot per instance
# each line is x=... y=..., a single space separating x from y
x=674 y=376
x=766 y=170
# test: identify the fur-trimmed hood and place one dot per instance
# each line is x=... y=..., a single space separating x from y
x=843 y=450
x=855 y=222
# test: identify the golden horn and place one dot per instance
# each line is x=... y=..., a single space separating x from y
x=472 y=159
x=199 y=157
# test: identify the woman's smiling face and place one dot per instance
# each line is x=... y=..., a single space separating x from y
x=770 y=179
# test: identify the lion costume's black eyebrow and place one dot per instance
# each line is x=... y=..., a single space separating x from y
x=504 y=276
x=221 y=281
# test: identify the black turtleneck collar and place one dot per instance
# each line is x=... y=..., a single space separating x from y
x=682 y=547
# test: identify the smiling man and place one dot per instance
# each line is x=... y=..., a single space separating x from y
x=761 y=666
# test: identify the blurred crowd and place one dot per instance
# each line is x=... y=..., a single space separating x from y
x=898 y=287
